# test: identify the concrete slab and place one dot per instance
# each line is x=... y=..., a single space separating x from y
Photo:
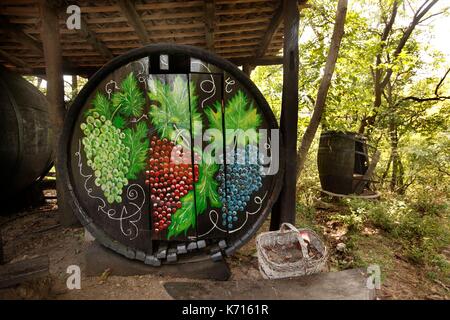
x=99 y=258
x=343 y=285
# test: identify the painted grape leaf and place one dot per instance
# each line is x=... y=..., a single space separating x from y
x=101 y=105
x=119 y=122
x=240 y=114
x=129 y=101
x=214 y=115
x=206 y=187
x=136 y=140
x=184 y=217
x=171 y=115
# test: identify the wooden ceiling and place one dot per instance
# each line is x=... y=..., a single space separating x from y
x=238 y=30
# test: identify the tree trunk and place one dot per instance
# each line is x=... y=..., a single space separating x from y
x=395 y=161
x=325 y=83
x=396 y=183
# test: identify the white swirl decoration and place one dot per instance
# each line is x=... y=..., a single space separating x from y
x=130 y=213
x=211 y=91
x=110 y=86
x=228 y=83
x=214 y=217
x=141 y=74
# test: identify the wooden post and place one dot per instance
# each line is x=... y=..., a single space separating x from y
x=247 y=69
x=74 y=86
x=284 y=208
x=55 y=93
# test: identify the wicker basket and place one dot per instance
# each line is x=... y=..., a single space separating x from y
x=295 y=239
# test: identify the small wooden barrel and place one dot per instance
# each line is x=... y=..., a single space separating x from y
x=341 y=156
x=121 y=140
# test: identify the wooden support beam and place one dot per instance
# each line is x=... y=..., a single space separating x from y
x=18 y=35
x=247 y=69
x=284 y=209
x=264 y=61
x=14 y=60
x=74 y=86
x=210 y=23
x=53 y=65
x=92 y=39
x=134 y=20
x=55 y=96
x=271 y=30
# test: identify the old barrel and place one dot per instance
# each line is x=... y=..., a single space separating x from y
x=25 y=133
x=170 y=152
x=342 y=157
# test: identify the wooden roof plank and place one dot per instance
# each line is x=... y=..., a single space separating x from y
x=134 y=20
x=92 y=39
x=18 y=35
x=235 y=29
x=13 y=60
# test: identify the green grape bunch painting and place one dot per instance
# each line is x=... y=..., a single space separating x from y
x=116 y=154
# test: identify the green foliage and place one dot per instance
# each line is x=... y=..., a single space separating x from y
x=171 y=113
x=119 y=122
x=184 y=218
x=136 y=140
x=354 y=220
x=240 y=116
x=101 y=105
x=129 y=101
x=206 y=187
x=422 y=234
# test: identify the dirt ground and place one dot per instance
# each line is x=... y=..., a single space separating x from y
x=37 y=232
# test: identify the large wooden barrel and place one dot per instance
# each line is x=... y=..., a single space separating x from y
x=25 y=134
x=341 y=156
x=138 y=163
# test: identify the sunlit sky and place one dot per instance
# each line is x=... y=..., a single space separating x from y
x=441 y=26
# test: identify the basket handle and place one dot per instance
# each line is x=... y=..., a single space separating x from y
x=285 y=226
